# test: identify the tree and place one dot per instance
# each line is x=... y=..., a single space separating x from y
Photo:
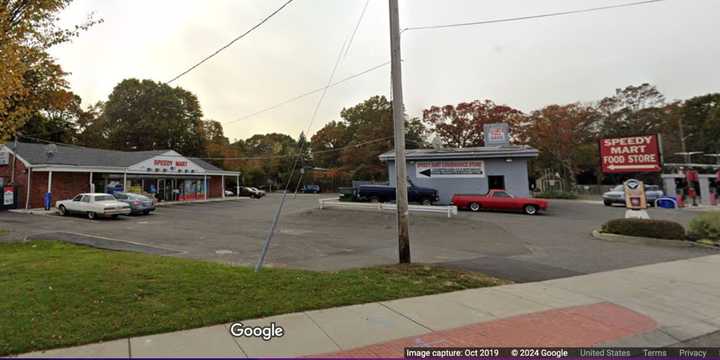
x=370 y=127
x=462 y=125
x=325 y=143
x=91 y=127
x=631 y=111
x=28 y=28
x=701 y=123
x=148 y=115
x=564 y=136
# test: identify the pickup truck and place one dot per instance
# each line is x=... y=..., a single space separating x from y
x=385 y=193
x=499 y=200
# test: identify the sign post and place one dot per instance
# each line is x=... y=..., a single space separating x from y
x=630 y=154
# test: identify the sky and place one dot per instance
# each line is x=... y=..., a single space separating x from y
x=528 y=64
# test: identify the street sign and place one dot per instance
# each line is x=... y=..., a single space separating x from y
x=450 y=169
x=630 y=154
x=496 y=134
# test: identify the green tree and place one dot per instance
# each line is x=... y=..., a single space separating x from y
x=631 y=111
x=325 y=143
x=148 y=115
x=701 y=123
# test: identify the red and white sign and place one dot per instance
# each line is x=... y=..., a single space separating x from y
x=630 y=154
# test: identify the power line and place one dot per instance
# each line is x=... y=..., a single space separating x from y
x=357 y=26
x=231 y=42
x=278 y=212
x=561 y=13
x=306 y=94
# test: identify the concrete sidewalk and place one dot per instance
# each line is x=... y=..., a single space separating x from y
x=647 y=306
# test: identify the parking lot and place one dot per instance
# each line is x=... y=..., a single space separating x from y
x=512 y=246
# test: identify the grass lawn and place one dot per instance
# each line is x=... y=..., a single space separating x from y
x=57 y=294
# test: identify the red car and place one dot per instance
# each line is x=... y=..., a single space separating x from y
x=499 y=200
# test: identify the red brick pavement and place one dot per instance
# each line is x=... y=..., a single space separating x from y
x=576 y=326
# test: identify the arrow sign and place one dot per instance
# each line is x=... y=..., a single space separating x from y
x=632 y=167
x=427 y=172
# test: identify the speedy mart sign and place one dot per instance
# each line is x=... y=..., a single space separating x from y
x=450 y=169
x=630 y=154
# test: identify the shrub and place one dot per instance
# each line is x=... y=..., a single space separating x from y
x=556 y=195
x=705 y=226
x=660 y=229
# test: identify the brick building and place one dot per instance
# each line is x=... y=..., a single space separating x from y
x=64 y=171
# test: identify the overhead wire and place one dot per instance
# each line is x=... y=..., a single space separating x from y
x=221 y=49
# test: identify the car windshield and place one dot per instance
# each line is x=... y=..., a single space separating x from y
x=137 y=197
x=104 y=198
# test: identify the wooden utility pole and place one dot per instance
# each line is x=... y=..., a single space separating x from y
x=401 y=195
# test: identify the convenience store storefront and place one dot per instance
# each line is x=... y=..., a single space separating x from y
x=34 y=170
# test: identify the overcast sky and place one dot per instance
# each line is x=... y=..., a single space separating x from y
x=673 y=44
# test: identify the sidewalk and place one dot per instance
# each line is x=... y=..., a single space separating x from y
x=647 y=306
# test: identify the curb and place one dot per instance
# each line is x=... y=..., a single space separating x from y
x=637 y=240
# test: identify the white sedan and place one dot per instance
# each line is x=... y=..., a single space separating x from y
x=93 y=205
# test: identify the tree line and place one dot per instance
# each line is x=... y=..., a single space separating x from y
x=37 y=102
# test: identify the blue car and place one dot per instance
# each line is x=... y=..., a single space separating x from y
x=139 y=204
x=311 y=189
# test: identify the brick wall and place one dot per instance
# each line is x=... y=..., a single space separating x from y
x=215 y=187
x=65 y=185
x=20 y=180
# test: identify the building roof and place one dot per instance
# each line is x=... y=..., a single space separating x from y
x=484 y=152
x=78 y=156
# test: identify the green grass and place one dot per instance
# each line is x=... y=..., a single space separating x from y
x=3 y=232
x=56 y=294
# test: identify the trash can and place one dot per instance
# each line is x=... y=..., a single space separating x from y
x=47 y=201
x=667 y=202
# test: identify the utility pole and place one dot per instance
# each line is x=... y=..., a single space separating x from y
x=401 y=195
x=682 y=140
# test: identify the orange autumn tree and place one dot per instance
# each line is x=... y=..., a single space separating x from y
x=565 y=135
x=462 y=125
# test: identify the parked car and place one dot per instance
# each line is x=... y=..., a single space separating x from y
x=616 y=195
x=499 y=200
x=139 y=204
x=93 y=206
x=311 y=189
x=386 y=193
x=229 y=193
x=252 y=192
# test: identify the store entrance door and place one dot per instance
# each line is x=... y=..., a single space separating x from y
x=163 y=190
x=496 y=182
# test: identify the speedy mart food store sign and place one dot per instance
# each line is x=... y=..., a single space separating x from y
x=630 y=154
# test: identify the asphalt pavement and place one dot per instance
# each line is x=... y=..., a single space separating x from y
x=513 y=246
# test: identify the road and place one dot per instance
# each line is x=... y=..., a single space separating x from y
x=512 y=246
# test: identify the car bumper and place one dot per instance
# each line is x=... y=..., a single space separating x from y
x=112 y=212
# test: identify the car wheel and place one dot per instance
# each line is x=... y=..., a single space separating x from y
x=115 y=216
x=607 y=203
x=426 y=202
x=146 y=212
x=91 y=215
x=530 y=209
x=475 y=207
x=62 y=210
x=374 y=199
